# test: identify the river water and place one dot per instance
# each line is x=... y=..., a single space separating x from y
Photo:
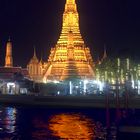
x=32 y=123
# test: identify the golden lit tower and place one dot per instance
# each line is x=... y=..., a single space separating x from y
x=8 y=57
x=70 y=58
x=70 y=23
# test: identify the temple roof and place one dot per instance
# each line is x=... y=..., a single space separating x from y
x=8 y=72
x=34 y=59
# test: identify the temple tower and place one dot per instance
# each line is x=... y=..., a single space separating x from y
x=8 y=57
x=35 y=68
x=70 y=58
x=70 y=23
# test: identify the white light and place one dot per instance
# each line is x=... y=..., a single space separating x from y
x=85 y=81
x=85 y=85
x=99 y=84
x=44 y=80
x=58 y=92
x=10 y=84
x=138 y=87
x=23 y=90
x=133 y=84
x=96 y=82
x=77 y=87
x=70 y=87
x=56 y=82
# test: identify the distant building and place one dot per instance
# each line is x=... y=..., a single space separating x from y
x=8 y=84
x=9 y=57
x=35 y=68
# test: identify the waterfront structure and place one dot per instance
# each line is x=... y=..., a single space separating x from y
x=9 y=73
x=70 y=58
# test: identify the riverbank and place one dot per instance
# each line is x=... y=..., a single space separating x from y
x=69 y=101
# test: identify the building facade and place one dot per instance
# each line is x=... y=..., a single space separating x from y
x=70 y=58
x=35 y=68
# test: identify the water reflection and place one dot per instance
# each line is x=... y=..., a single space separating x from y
x=72 y=126
x=10 y=120
x=45 y=124
x=64 y=126
x=7 y=122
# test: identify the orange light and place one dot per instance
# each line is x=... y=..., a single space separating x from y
x=70 y=57
x=72 y=126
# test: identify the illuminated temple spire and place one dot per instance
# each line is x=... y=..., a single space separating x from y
x=70 y=23
x=34 y=53
x=70 y=58
x=8 y=57
x=70 y=1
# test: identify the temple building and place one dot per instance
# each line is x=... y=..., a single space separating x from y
x=8 y=57
x=70 y=58
x=8 y=70
x=9 y=74
x=35 y=68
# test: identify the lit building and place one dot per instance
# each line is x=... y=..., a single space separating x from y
x=70 y=58
x=8 y=57
x=9 y=73
x=123 y=73
x=35 y=68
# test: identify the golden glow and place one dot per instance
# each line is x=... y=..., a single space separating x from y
x=70 y=1
x=70 y=57
x=72 y=126
x=8 y=57
x=70 y=23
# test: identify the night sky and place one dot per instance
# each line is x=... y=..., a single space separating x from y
x=29 y=23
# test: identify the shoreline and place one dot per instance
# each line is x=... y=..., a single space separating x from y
x=69 y=101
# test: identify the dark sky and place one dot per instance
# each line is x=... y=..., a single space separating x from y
x=115 y=23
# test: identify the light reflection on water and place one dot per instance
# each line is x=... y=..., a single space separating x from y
x=64 y=126
x=52 y=124
x=7 y=122
x=72 y=126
